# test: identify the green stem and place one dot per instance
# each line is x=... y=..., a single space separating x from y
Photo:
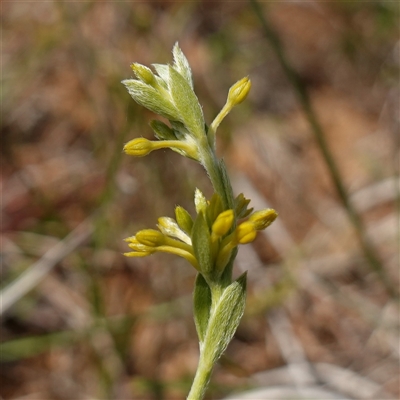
x=201 y=379
x=206 y=362
x=212 y=166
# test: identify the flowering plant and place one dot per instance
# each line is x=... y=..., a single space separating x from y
x=208 y=241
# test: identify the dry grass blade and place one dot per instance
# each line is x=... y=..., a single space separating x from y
x=37 y=271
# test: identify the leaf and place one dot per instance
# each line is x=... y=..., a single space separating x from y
x=162 y=131
x=201 y=243
x=186 y=102
x=241 y=204
x=224 y=321
x=181 y=64
x=149 y=97
x=180 y=130
x=163 y=72
x=201 y=306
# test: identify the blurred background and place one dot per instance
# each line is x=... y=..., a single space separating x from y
x=81 y=321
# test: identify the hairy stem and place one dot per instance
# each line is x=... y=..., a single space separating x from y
x=202 y=378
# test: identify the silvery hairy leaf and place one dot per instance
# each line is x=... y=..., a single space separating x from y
x=181 y=64
x=149 y=97
x=162 y=131
x=224 y=321
x=186 y=102
x=163 y=72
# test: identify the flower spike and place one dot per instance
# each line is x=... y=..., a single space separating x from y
x=208 y=240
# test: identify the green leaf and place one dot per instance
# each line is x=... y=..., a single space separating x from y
x=201 y=243
x=224 y=321
x=241 y=204
x=180 y=130
x=202 y=306
x=184 y=219
x=163 y=73
x=151 y=98
x=181 y=64
x=162 y=131
x=186 y=102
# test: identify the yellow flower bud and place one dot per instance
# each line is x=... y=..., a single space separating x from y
x=150 y=237
x=143 y=73
x=245 y=233
x=223 y=223
x=184 y=219
x=139 y=147
x=239 y=91
x=263 y=218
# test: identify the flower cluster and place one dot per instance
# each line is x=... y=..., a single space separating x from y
x=208 y=241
